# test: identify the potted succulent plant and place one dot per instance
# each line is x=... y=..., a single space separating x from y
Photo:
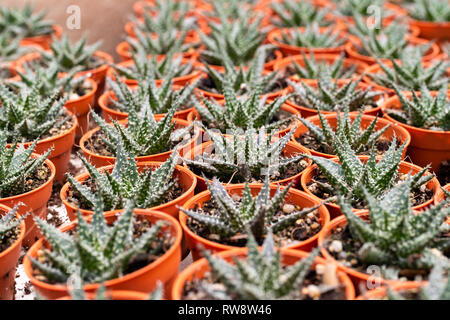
x=28 y=26
x=351 y=174
x=290 y=14
x=12 y=232
x=26 y=116
x=401 y=243
x=426 y=117
x=347 y=10
x=222 y=217
x=247 y=156
x=157 y=185
x=27 y=178
x=118 y=263
x=298 y=276
x=318 y=133
x=431 y=17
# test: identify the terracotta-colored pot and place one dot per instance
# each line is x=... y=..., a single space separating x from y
x=294 y=196
x=283 y=64
x=432 y=30
x=181 y=81
x=427 y=146
x=123 y=50
x=116 y=295
x=361 y=280
x=376 y=68
x=289 y=257
x=186 y=179
x=380 y=293
x=306 y=112
x=62 y=148
x=80 y=108
x=194 y=115
x=274 y=37
x=353 y=53
x=43 y=41
x=290 y=150
x=98 y=160
x=8 y=261
x=35 y=202
x=405 y=167
x=164 y=269
x=396 y=130
x=110 y=114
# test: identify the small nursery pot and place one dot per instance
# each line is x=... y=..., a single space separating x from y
x=187 y=181
x=80 y=108
x=284 y=63
x=306 y=112
x=380 y=293
x=394 y=130
x=300 y=198
x=181 y=81
x=62 y=148
x=116 y=295
x=110 y=114
x=289 y=257
x=8 y=261
x=353 y=53
x=427 y=146
x=432 y=30
x=275 y=36
x=35 y=202
x=375 y=68
x=405 y=167
x=291 y=149
x=360 y=280
x=98 y=160
x=43 y=41
x=164 y=269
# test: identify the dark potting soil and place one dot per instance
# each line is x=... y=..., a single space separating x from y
x=348 y=255
x=304 y=228
x=418 y=197
x=9 y=238
x=30 y=182
x=309 y=141
x=141 y=225
x=193 y=290
x=443 y=173
x=75 y=199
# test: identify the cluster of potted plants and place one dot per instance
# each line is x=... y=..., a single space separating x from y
x=290 y=147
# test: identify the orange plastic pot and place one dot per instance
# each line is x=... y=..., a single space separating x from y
x=275 y=36
x=164 y=269
x=283 y=64
x=440 y=195
x=116 y=295
x=306 y=112
x=376 y=68
x=362 y=281
x=404 y=168
x=186 y=179
x=123 y=49
x=8 y=261
x=394 y=130
x=290 y=150
x=195 y=242
x=43 y=41
x=381 y=292
x=110 y=114
x=98 y=160
x=432 y=30
x=289 y=257
x=353 y=53
x=80 y=108
x=181 y=81
x=427 y=146
x=35 y=202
